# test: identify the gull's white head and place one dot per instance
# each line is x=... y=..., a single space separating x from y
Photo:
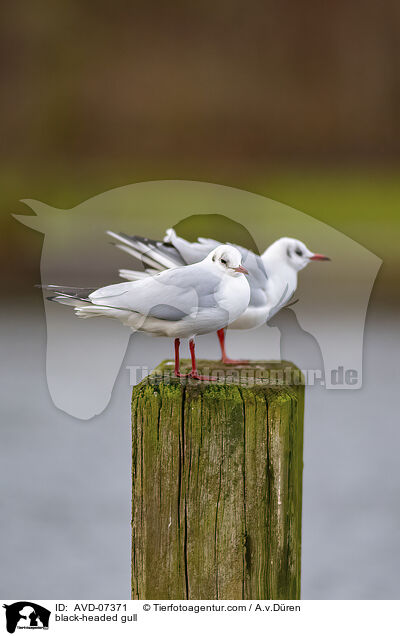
x=227 y=259
x=295 y=253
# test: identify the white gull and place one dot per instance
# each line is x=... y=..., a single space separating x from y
x=182 y=302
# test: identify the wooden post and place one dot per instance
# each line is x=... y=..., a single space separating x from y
x=217 y=483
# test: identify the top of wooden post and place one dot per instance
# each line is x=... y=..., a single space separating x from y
x=256 y=373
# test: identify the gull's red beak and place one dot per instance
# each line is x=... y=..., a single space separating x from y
x=319 y=257
x=241 y=269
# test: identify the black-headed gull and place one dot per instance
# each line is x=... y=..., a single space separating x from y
x=272 y=275
x=179 y=303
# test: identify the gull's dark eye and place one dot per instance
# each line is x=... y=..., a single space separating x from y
x=223 y=261
x=298 y=252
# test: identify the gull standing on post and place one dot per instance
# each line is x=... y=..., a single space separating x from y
x=272 y=275
x=179 y=303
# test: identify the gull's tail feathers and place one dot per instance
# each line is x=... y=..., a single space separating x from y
x=80 y=293
x=68 y=300
x=155 y=255
x=82 y=300
x=131 y=274
x=95 y=311
x=75 y=297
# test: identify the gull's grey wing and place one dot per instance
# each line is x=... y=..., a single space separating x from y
x=204 y=282
x=174 y=251
x=190 y=252
x=153 y=254
x=169 y=295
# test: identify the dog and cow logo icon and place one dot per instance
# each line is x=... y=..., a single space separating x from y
x=26 y=615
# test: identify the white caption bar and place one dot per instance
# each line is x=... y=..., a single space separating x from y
x=176 y=617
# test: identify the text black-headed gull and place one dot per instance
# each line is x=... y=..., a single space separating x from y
x=182 y=302
x=272 y=275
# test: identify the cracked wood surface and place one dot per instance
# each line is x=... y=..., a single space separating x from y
x=217 y=484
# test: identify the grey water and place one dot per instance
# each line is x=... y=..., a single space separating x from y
x=65 y=483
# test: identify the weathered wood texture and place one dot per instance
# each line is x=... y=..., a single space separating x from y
x=217 y=485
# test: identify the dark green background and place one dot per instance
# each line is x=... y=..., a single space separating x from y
x=296 y=102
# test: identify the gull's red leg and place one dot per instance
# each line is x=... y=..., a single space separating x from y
x=176 y=370
x=225 y=359
x=194 y=374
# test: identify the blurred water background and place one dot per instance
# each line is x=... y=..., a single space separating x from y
x=299 y=104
